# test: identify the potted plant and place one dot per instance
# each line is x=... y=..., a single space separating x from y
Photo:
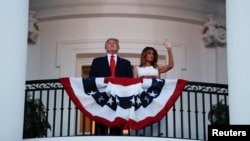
x=219 y=114
x=35 y=119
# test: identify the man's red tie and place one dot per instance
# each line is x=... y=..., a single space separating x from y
x=112 y=66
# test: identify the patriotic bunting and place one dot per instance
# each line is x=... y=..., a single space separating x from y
x=125 y=102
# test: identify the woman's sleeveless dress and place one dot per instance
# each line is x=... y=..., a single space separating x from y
x=147 y=72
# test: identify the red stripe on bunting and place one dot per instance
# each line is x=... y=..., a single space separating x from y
x=122 y=81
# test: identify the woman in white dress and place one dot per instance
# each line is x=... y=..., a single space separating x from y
x=148 y=67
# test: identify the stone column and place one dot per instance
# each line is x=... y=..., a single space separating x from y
x=238 y=56
x=13 y=50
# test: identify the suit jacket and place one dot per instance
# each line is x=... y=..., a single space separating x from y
x=100 y=68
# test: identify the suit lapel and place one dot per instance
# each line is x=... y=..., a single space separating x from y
x=117 y=63
x=106 y=61
x=118 y=66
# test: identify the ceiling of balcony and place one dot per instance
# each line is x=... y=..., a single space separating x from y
x=194 y=10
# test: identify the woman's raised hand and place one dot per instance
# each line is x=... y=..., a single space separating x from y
x=167 y=44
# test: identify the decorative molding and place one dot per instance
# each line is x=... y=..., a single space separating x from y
x=33 y=28
x=214 y=33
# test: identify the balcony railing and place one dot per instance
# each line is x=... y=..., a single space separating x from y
x=187 y=119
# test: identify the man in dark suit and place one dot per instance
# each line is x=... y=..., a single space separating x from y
x=101 y=68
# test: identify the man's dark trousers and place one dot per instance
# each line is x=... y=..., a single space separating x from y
x=101 y=129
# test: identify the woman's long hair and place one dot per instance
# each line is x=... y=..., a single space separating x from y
x=143 y=55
